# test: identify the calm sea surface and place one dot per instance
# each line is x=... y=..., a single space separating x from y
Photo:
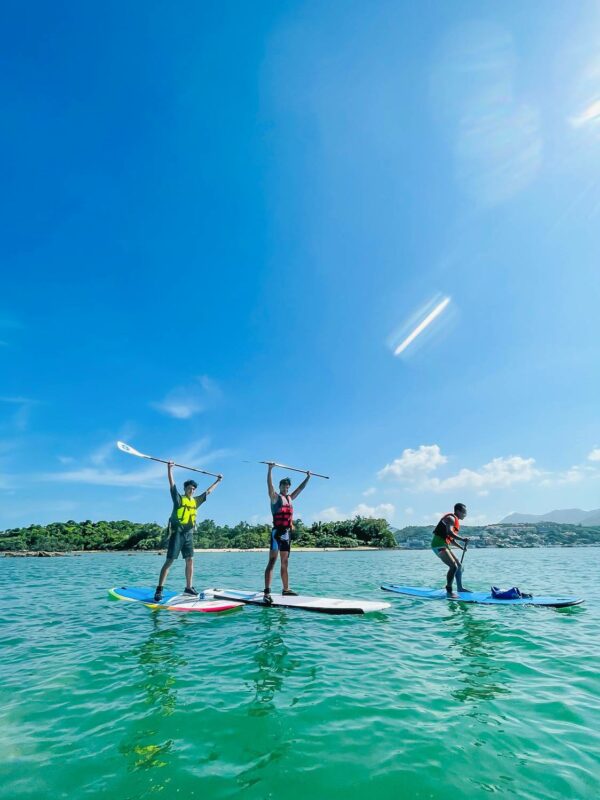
x=431 y=700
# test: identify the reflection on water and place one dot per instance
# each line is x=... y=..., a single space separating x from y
x=160 y=663
x=273 y=662
x=477 y=657
x=159 y=666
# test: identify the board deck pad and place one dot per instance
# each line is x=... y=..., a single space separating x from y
x=484 y=598
x=172 y=601
x=324 y=605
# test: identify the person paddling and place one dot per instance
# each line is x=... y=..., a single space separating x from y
x=283 y=524
x=445 y=536
x=182 y=525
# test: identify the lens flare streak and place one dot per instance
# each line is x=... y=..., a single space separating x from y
x=422 y=325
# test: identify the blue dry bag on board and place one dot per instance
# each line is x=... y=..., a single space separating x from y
x=508 y=594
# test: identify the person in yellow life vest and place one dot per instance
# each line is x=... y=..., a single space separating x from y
x=182 y=525
x=444 y=536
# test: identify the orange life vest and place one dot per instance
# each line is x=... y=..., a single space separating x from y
x=283 y=517
x=441 y=531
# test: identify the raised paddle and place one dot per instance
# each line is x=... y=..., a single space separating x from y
x=295 y=469
x=133 y=452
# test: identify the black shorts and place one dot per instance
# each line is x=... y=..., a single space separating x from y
x=281 y=540
x=180 y=541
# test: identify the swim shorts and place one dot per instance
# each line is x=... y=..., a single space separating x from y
x=180 y=541
x=281 y=540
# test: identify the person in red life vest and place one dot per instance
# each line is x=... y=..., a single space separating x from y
x=182 y=525
x=283 y=525
x=445 y=536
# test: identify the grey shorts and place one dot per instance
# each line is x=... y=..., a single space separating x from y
x=180 y=542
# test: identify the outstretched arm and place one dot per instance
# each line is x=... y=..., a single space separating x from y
x=272 y=493
x=213 y=485
x=297 y=491
x=170 y=466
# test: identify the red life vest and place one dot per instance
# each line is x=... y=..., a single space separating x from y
x=442 y=531
x=283 y=518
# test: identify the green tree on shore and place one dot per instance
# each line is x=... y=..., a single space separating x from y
x=125 y=535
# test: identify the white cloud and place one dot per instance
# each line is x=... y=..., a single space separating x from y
x=383 y=510
x=331 y=514
x=103 y=453
x=499 y=473
x=23 y=406
x=369 y=492
x=334 y=514
x=147 y=476
x=576 y=474
x=414 y=463
x=594 y=455
x=184 y=402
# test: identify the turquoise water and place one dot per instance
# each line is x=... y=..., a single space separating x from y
x=431 y=700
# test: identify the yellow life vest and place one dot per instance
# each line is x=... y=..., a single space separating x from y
x=186 y=513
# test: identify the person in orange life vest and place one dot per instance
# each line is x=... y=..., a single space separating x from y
x=283 y=525
x=444 y=536
x=182 y=525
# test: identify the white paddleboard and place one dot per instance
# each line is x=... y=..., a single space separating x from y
x=171 y=600
x=324 y=605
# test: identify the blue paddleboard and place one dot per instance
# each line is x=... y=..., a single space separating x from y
x=481 y=597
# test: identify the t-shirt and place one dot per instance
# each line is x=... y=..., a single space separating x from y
x=201 y=498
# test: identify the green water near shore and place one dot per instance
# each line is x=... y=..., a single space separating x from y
x=431 y=700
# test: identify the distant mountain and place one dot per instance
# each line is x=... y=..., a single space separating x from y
x=593 y=518
x=565 y=516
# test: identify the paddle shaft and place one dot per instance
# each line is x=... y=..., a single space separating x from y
x=295 y=469
x=126 y=448
x=462 y=558
x=183 y=466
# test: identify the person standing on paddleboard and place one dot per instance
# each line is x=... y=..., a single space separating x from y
x=283 y=525
x=444 y=536
x=182 y=525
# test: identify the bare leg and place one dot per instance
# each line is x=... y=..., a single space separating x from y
x=285 y=557
x=459 y=571
x=189 y=572
x=165 y=571
x=452 y=563
x=269 y=570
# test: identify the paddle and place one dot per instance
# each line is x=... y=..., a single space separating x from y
x=464 y=551
x=133 y=452
x=295 y=469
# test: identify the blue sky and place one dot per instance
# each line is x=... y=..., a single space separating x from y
x=221 y=219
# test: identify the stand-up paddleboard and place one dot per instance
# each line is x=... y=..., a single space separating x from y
x=481 y=597
x=324 y=605
x=171 y=600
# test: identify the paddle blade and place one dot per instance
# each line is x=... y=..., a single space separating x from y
x=131 y=450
